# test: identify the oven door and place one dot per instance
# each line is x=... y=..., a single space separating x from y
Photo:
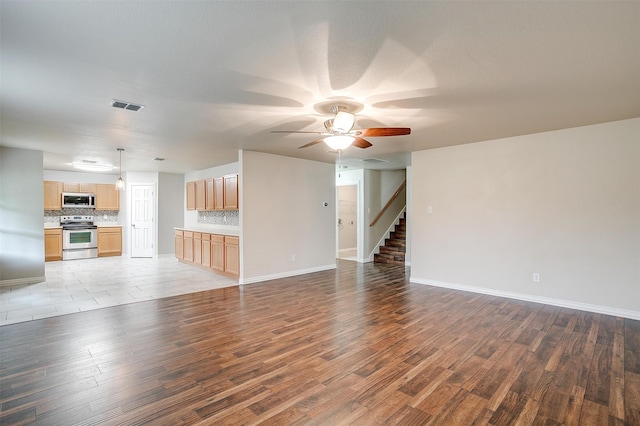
x=79 y=238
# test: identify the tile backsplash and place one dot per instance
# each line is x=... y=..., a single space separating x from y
x=52 y=217
x=217 y=217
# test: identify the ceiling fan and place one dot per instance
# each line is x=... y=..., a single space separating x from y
x=339 y=133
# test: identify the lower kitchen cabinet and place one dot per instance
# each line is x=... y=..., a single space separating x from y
x=231 y=255
x=197 y=248
x=178 y=244
x=206 y=250
x=52 y=244
x=109 y=241
x=217 y=252
x=188 y=246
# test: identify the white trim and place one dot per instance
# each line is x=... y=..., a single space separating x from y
x=599 y=309
x=287 y=274
x=22 y=281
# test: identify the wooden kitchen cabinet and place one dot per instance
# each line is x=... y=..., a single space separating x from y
x=53 y=195
x=109 y=241
x=201 y=194
x=210 y=198
x=52 y=244
x=89 y=188
x=217 y=253
x=206 y=250
x=191 y=195
x=107 y=197
x=188 y=246
x=232 y=255
x=218 y=193
x=197 y=248
x=230 y=192
x=178 y=244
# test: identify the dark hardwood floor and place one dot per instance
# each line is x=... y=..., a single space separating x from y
x=359 y=345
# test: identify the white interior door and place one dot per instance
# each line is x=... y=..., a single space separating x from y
x=142 y=220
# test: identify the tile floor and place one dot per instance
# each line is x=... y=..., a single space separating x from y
x=82 y=285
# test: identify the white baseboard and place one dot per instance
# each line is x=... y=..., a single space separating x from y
x=607 y=310
x=22 y=281
x=286 y=274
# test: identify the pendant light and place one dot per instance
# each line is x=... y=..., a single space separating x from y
x=120 y=181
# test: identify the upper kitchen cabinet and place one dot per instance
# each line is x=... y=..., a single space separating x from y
x=89 y=188
x=53 y=195
x=231 y=192
x=219 y=193
x=201 y=194
x=107 y=197
x=191 y=195
x=210 y=196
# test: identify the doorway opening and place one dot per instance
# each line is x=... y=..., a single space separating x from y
x=348 y=222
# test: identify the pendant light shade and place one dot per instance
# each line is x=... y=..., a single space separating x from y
x=120 y=181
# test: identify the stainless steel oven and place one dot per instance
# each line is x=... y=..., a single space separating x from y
x=79 y=237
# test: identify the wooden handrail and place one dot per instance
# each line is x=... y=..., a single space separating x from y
x=386 y=206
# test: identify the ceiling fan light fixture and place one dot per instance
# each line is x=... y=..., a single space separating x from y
x=339 y=142
x=91 y=166
x=343 y=122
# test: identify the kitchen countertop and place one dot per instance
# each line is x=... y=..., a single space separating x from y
x=231 y=231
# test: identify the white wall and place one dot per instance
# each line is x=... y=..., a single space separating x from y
x=21 y=216
x=171 y=206
x=282 y=215
x=565 y=204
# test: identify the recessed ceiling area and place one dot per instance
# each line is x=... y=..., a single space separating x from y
x=220 y=76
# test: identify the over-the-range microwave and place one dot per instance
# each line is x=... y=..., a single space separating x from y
x=78 y=200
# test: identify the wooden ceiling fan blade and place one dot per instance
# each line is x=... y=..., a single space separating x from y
x=361 y=143
x=312 y=143
x=385 y=131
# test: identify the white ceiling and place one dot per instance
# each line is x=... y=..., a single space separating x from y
x=218 y=76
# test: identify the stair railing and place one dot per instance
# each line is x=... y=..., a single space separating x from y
x=386 y=206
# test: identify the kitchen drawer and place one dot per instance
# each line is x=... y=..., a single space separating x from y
x=231 y=240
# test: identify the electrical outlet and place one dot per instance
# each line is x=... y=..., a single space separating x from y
x=293 y=257
x=536 y=277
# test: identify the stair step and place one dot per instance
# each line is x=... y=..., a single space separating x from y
x=388 y=259
x=395 y=242
x=394 y=248
x=397 y=250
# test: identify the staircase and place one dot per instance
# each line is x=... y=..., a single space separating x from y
x=394 y=248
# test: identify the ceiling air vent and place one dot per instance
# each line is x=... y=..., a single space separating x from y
x=158 y=159
x=374 y=160
x=126 y=105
